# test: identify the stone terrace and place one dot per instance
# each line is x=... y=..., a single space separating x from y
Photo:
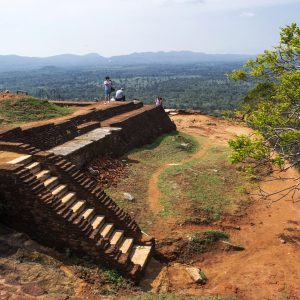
x=44 y=193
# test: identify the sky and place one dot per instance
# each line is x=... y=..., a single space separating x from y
x=115 y=27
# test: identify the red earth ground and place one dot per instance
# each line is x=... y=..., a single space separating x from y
x=268 y=268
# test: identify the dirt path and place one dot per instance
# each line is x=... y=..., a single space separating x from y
x=196 y=126
x=268 y=268
x=153 y=190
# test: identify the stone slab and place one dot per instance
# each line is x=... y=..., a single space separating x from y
x=94 y=135
x=140 y=255
x=70 y=147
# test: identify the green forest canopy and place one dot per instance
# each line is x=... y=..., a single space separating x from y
x=201 y=86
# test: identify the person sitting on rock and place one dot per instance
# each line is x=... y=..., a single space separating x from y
x=120 y=95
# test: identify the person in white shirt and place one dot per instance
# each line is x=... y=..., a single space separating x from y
x=120 y=95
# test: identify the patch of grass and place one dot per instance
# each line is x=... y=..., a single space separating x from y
x=202 y=189
x=142 y=163
x=173 y=296
x=167 y=148
x=28 y=109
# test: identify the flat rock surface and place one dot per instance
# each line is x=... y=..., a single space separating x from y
x=97 y=134
x=70 y=147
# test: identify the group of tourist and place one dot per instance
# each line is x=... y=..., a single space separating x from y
x=120 y=93
x=109 y=89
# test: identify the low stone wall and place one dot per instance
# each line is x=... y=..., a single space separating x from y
x=133 y=131
x=50 y=135
x=101 y=141
x=144 y=128
x=68 y=137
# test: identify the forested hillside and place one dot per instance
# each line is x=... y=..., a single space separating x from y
x=201 y=86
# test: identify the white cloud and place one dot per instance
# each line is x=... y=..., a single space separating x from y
x=247 y=14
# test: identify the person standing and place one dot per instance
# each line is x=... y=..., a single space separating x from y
x=107 y=89
x=120 y=95
x=158 y=101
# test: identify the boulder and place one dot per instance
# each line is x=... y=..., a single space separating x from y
x=197 y=275
x=128 y=197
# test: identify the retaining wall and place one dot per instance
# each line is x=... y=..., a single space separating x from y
x=50 y=135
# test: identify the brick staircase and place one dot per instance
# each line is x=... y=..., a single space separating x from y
x=45 y=194
x=119 y=246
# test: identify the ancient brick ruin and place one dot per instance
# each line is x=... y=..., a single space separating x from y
x=44 y=193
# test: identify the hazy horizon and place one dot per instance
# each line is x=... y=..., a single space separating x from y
x=125 y=54
x=46 y=28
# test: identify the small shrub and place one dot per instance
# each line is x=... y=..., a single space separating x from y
x=114 y=277
x=201 y=242
x=215 y=235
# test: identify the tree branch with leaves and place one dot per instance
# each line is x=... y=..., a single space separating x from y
x=272 y=108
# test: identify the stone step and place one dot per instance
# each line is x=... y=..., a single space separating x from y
x=24 y=160
x=106 y=230
x=51 y=182
x=126 y=245
x=140 y=254
x=68 y=198
x=97 y=221
x=116 y=237
x=60 y=190
x=89 y=126
x=88 y=214
x=34 y=167
x=43 y=175
x=69 y=201
x=78 y=207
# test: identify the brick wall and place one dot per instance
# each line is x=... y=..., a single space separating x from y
x=144 y=128
x=50 y=135
x=26 y=205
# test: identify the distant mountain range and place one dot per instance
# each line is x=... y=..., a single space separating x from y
x=15 y=62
